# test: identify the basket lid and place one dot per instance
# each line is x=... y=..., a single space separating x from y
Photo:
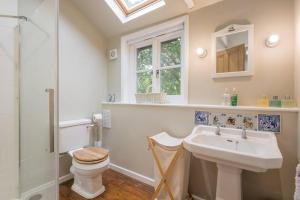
x=166 y=140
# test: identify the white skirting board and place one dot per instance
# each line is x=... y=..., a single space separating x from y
x=132 y=174
x=196 y=197
x=139 y=177
x=127 y=172
x=40 y=189
x=65 y=178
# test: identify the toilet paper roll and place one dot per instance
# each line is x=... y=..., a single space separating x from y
x=97 y=118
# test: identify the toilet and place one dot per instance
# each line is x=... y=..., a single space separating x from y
x=88 y=162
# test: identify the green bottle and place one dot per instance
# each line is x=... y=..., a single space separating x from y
x=275 y=102
x=234 y=97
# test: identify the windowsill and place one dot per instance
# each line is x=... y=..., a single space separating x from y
x=221 y=107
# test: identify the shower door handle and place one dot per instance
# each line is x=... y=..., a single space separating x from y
x=51 y=118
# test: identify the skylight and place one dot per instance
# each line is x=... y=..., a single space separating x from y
x=127 y=10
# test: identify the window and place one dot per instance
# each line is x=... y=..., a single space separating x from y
x=170 y=66
x=127 y=10
x=131 y=6
x=158 y=67
x=155 y=63
x=144 y=69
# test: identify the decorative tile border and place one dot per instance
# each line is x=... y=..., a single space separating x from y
x=201 y=118
x=261 y=122
x=270 y=123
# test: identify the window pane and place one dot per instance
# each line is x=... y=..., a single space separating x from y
x=170 y=53
x=144 y=82
x=131 y=3
x=144 y=58
x=170 y=81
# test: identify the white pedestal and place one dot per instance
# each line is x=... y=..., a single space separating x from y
x=229 y=186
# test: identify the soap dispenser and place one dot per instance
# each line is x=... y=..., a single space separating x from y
x=226 y=98
x=234 y=97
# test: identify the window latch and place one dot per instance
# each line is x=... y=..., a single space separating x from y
x=157 y=73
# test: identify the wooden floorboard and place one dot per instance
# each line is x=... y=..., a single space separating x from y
x=118 y=187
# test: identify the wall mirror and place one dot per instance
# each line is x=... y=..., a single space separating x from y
x=233 y=51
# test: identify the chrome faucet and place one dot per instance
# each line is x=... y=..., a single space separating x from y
x=218 y=130
x=244 y=133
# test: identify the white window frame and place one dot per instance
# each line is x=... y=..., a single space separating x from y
x=124 y=18
x=128 y=62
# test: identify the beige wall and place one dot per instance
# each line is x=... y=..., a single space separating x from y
x=274 y=75
x=268 y=16
x=83 y=68
x=83 y=64
x=297 y=61
x=114 y=71
x=130 y=139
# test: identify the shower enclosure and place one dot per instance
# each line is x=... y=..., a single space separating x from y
x=35 y=108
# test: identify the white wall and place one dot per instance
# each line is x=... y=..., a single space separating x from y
x=9 y=147
x=83 y=64
x=297 y=63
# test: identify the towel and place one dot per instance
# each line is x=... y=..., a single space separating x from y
x=297 y=183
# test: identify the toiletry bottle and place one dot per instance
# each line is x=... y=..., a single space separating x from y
x=234 y=97
x=226 y=98
x=263 y=101
x=275 y=102
x=288 y=102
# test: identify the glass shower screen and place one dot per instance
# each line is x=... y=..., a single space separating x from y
x=38 y=99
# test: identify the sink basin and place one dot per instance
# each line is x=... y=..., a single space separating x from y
x=258 y=153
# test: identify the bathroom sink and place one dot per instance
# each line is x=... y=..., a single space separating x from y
x=258 y=152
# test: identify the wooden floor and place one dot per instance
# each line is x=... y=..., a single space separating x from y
x=118 y=187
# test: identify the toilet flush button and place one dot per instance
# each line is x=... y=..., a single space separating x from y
x=106 y=118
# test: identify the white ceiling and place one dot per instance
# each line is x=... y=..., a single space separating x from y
x=107 y=22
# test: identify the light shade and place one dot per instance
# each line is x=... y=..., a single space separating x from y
x=202 y=53
x=272 y=40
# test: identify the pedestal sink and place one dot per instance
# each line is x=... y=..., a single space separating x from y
x=258 y=153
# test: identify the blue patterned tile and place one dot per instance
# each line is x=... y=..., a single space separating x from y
x=201 y=118
x=270 y=123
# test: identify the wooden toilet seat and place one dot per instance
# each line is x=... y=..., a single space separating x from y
x=90 y=155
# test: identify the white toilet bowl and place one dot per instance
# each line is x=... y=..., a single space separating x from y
x=88 y=163
x=88 y=178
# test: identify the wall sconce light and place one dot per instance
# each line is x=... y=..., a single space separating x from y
x=272 y=41
x=202 y=53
